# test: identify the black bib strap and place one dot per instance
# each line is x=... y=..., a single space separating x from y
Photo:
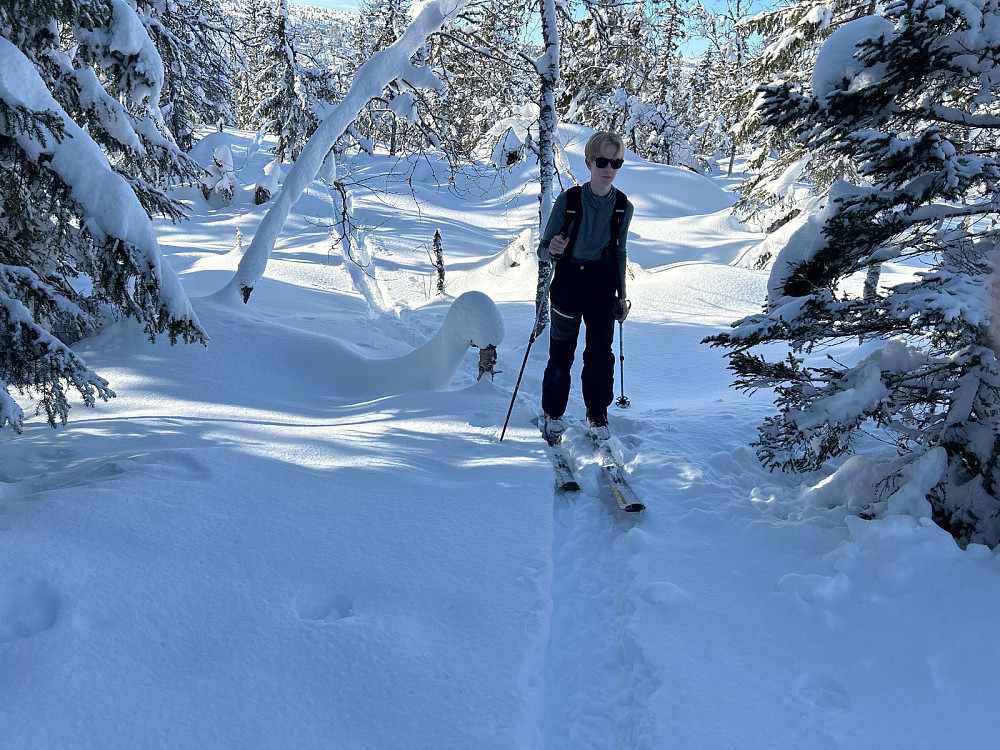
x=617 y=219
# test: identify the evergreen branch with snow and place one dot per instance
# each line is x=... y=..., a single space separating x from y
x=36 y=363
x=930 y=381
x=81 y=172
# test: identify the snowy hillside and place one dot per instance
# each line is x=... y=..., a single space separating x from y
x=308 y=535
x=322 y=34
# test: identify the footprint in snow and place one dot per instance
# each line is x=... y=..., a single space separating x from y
x=27 y=608
x=824 y=707
x=322 y=606
x=822 y=692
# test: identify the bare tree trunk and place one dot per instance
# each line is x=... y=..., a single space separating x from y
x=548 y=72
x=871 y=281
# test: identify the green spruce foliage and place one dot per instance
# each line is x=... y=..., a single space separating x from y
x=787 y=174
x=286 y=108
x=84 y=155
x=908 y=97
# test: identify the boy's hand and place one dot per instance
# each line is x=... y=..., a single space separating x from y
x=623 y=308
x=557 y=246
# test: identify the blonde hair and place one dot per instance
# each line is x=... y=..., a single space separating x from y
x=600 y=139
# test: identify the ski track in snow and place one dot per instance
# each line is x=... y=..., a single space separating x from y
x=598 y=680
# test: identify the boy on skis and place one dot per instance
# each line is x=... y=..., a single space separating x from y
x=585 y=239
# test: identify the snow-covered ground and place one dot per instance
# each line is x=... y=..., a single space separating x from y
x=308 y=535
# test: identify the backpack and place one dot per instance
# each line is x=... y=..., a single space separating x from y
x=574 y=216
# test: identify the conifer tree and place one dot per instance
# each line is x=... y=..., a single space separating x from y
x=286 y=108
x=585 y=90
x=76 y=244
x=191 y=37
x=907 y=97
x=487 y=69
x=721 y=78
x=246 y=51
x=788 y=174
x=609 y=68
x=380 y=23
x=105 y=73
x=668 y=136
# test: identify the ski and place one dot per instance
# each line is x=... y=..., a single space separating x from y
x=565 y=478
x=613 y=476
x=620 y=489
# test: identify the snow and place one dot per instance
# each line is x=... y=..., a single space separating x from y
x=308 y=534
x=127 y=38
x=836 y=61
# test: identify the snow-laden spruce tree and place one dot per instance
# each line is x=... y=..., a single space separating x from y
x=486 y=64
x=83 y=152
x=410 y=115
x=622 y=71
x=286 y=108
x=910 y=97
x=591 y=70
x=720 y=78
x=100 y=64
x=191 y=37
x=662 y=128
x=379 y=25
x=787 y=174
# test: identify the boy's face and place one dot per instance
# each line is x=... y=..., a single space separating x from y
x=602 y=177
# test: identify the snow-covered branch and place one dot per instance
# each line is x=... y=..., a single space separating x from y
x=488 y=54
x=370 y=80
x=110 y=206
x=955 y=116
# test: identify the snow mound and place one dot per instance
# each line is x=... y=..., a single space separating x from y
x=311 y=367
x=656 y=190
x=508 y=274
x=711 y=237
x=473 y=320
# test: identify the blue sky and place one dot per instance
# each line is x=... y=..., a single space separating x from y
x=694 y=48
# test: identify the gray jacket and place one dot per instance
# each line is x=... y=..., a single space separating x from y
x=594 y=235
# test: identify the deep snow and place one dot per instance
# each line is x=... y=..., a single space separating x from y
x=286 y=541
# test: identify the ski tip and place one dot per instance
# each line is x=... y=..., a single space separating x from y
x=624 y=503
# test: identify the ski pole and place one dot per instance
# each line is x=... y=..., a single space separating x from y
x=622 y=401
x=517 y=385
x=531 y=340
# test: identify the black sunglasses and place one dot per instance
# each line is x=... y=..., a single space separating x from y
x=600 y=162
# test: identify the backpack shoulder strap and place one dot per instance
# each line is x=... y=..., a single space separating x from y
x=618 y=216
x=617 y=219
x=574 y=214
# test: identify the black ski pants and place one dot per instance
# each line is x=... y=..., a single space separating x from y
x=581 y=292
